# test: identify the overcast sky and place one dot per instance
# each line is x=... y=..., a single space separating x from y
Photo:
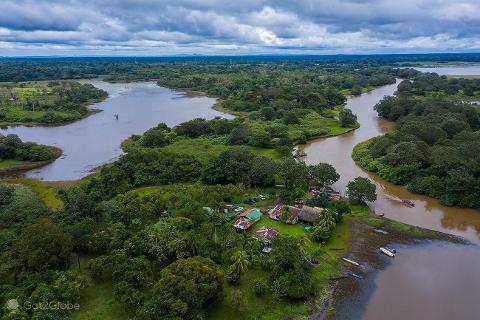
x=170 y=27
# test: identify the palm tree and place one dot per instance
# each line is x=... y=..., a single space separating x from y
x=240 y=261
x=327 y=221
x=303 y=244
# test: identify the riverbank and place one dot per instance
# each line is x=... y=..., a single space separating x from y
x=11 y=166
x=91 y=111
x=51 y=103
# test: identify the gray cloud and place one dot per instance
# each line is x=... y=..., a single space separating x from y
x=214 y=26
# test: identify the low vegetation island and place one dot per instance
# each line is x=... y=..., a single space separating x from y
x=46 y=103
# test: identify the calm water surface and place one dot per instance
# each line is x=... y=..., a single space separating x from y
x=427 y=213
x=434 y=282
x=467 y=70
x=96 y=140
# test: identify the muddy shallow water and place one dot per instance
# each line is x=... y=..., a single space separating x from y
x=436 y=281
x=96 y=140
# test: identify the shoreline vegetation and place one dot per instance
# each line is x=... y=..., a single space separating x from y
x=434 y=149
x=142 y=229
x=368 y=234
x=47 y=103
x=17 y=156
x=12 y=166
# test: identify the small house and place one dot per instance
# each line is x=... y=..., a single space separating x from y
x=243 y=224
x=276 y=212
x=265 y=234
x=252 y=214
x=310 y=215
x=248 y=218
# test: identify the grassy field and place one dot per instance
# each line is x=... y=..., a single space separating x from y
x=206 y=148
x=12 y=165
x=203 y=148
x=98 y=302
x=311 y=126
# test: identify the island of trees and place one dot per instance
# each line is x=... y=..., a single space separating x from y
x=16 y=155
x=46 y=103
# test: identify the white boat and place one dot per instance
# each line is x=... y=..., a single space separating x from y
x=351 y=261
x=387 y=252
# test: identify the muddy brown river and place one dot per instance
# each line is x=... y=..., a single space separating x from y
x=427 y=213
x=437 y=281
x=433 y=281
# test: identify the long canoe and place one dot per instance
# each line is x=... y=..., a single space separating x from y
x=351 y=261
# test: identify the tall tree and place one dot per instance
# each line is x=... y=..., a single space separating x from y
x=361 y=190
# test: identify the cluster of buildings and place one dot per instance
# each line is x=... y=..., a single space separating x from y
x=283 y=213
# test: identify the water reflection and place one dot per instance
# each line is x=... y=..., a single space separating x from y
x=96 y=140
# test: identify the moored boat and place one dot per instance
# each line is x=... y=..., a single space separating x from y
x=408 y=202
x=387 y=252
x=354 y=275
x=351 y=261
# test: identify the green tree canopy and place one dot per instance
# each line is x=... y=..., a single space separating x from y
x=361 y=190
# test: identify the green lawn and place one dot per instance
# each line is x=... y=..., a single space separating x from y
x=10 y=163
x=295 y=230
x=98 y=302
x=203 y=148
x=267 y=152
x=207 y=147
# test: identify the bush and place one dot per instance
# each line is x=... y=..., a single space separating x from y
x=321 y=234
x=295 y=284
x=341 y=207
x=231 y=275
x=259 y=287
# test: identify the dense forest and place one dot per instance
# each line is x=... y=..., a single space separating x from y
x=136 y=68
x=152 y=227
x=53 y=102
x=152 y=235
x=435 y=149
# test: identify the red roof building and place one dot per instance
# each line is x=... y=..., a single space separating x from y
x=243 y=224
x=265 y=233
